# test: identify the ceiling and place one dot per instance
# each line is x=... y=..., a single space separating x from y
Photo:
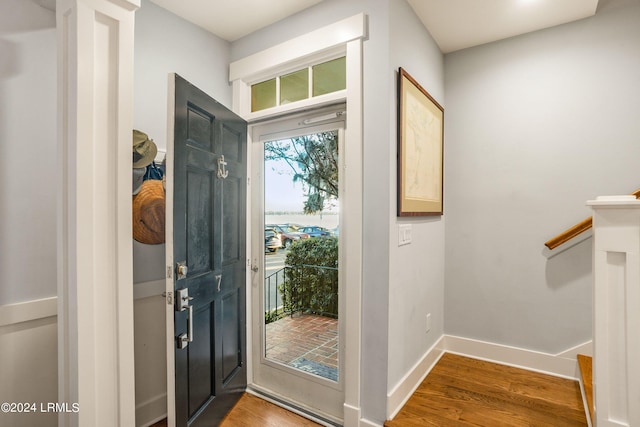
x=454 y=24
x=233 y=19
x=458 y=24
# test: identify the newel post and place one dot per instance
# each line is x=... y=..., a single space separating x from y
x=616 y=310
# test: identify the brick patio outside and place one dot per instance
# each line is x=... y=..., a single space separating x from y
x=305 y=339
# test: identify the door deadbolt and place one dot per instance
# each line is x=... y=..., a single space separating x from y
x=181 y=270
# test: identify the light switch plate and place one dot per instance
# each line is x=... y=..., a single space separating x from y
x=404 y=234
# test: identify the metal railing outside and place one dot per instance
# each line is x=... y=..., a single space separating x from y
x=301 y=288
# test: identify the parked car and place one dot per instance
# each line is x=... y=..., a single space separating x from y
x=315 y=231
x=271 y=240
x=288 y=235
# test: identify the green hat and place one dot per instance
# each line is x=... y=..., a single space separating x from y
x=144 y=150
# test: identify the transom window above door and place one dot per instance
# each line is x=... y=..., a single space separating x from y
x=315 y=80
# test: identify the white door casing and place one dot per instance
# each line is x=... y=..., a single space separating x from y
x=322 y=397
x=345 y=36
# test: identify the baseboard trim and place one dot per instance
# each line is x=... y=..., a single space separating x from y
x=366 y=423
x=573 y=352
x=351 y=415
x=151 y=411
x=27 y=311
x=399 y=395
x=563 y=364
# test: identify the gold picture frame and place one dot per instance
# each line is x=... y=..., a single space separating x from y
x=420 y=149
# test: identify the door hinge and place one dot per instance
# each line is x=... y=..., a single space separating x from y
x=169 y=297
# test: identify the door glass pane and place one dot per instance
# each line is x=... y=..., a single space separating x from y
x=301 y=253
x=294 y=86
x=263 y=95
x=330 y=76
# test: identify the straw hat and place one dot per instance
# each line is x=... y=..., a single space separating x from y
x=144 y=149
x=149 y=213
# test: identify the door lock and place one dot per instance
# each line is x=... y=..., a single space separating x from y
x=181 y=270
x=182 y=304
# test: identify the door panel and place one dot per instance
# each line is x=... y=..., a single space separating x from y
x=232 y=146
x=208 y=233
x=200 y=369
x=231 y=342
x=232 y=228
x=199 y=233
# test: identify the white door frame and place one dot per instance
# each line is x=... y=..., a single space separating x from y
x=320 y=396
x=346 y=36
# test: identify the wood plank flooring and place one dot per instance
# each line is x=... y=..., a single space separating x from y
x=251 y=411
x=460 y=391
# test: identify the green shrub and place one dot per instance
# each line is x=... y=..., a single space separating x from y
x=311 y=277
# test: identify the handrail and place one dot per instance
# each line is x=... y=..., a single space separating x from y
x=577 y=229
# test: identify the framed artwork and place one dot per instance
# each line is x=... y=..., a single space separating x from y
x=420 y=149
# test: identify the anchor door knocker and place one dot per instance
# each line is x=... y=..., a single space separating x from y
x=222 y=168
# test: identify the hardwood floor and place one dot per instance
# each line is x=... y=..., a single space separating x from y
x=460 y=391
x=251 y=411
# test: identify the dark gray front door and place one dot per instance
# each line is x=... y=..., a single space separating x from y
x=209 y=210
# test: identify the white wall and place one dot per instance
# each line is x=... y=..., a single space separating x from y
x=535 y=126
x=28 y=367
x=150 y=360
x=27 y=152
x=28 y=334
x=416 y=273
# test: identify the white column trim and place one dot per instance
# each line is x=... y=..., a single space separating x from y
x=95 y=267
x=616 y=310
